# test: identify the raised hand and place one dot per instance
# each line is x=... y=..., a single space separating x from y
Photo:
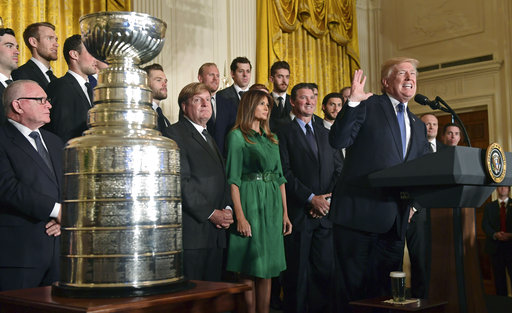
x=357 y=93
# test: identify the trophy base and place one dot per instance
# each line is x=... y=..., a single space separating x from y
x=119 y=292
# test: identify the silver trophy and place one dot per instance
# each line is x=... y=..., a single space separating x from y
x=121 y=214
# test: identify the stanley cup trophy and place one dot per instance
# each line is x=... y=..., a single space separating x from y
x=121 y=214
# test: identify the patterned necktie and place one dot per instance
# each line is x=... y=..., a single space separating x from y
x=41 y=149
x=503 y=217
x=310 y=137
x=50 y=75
x=89 y=92
x=401 y=123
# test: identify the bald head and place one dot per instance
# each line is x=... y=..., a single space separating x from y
x=26 y=103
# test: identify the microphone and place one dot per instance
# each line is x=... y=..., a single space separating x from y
x=423 y=100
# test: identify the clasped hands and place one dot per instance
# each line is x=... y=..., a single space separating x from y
x=53 y=226
x=222 y=218
x=502 y=236
x=320 y=206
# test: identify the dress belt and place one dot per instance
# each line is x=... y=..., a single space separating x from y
x=260 y=176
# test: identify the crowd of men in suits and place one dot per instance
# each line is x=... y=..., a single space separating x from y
x=347 y=236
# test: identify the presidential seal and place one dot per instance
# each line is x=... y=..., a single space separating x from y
x=496 y=162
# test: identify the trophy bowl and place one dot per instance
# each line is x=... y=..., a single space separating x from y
x=115 y=36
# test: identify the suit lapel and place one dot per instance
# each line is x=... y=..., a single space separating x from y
x=53 y=150
x=24 y=145
x=389 y=113
x=37 y=72
x=200 y=140
x=78 y=89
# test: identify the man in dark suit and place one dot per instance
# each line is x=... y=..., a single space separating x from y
x=451 y=134
x=432 y=125
x=418 y=234
x=8 y=61
x=157 y=82
x=370 y=223
x=311 y=167
x=30 y=185
x=204 y=189
x=72 y=94
x=331 y=106
x=228 y=99
x=41 y=40
x=280 y=78
x=223 y=113
x=497 y=225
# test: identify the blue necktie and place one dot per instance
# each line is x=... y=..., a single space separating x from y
x=41 y=149
x=401 y=124
x=310 y=137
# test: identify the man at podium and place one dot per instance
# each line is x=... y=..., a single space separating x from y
x=378 y=132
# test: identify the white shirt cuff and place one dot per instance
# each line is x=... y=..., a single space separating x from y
x=56 y=210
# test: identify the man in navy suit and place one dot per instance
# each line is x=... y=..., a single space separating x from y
x=311 y=167
x=204 y=189
x=72 y=94
x=280 y=78
x=157 y=82
x=227 y=100
x=41 y=40
x=8 y=61
x=497 y=225
x=369 y=227
x=30 y=190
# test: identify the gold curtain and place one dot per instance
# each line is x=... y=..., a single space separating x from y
x=318 y=38
x=64 y=14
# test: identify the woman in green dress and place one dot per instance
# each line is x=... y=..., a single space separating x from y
x=256 y=248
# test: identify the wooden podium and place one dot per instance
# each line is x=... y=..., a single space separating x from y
x=455 y=178
x=204 y=297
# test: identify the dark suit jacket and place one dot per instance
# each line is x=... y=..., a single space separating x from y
x=69 y=108
x=274 y=116
x=227 y=105
x=491 y=224
x=305 y=173
x=2 y=111
x=30 y=71
x=204 y=187
x=28 y=193
x=371 y=134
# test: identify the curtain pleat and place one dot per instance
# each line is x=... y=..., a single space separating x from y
x=318 y=38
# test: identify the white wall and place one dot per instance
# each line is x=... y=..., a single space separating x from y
x=200 y=31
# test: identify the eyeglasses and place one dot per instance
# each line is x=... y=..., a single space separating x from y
x=40 y=100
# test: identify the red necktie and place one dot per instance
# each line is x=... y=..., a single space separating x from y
x=503 y=217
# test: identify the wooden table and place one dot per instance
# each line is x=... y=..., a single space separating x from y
x=204 y=297
x=424 y=305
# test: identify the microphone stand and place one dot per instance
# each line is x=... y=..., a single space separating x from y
x=448 y=109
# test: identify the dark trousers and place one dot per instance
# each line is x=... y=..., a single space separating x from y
x=309 y=267
x=203 y=264
x=44 y=274
x=420 y=251
x=363 y=263
x=501 y=261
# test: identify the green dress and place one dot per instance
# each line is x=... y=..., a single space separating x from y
x=256 y=170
